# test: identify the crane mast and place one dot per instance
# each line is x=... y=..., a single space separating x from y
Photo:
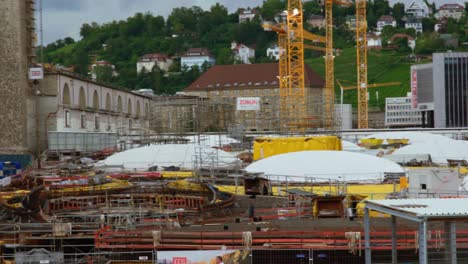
x=361 y=57
x=329 y=66
x=297 y=111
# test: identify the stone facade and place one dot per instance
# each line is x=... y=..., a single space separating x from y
x=74 y=104
x=16 y=50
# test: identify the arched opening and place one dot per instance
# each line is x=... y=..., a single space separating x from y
x=96 y=100
x=108 y=102
x=129 y=107
x=66 y=98
x=82 y=102
x=138 y=110
x=146 y=110
x=119 y=104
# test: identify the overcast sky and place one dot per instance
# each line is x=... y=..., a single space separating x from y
x=63 y=18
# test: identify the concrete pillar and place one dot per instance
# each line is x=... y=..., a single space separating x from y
x=394 y=241
x=423 y=243
x=367 y=236
x=450 y=237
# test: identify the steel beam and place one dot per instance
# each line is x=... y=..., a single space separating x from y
x=450 y=229
x=394 y=241
x=367 y=236
x=396 y=213
x=423 y=242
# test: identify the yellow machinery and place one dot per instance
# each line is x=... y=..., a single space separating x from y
x=266 y=147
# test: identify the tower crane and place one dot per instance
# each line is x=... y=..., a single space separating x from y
x=361 y=63
x=330 y=62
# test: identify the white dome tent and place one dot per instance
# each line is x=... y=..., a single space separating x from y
x=413 y=137
x=325 y=166
x=185 y=156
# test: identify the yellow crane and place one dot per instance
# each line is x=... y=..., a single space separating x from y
x=293 y=104
x=330 y=62
x=361 y=63
x=291 y=35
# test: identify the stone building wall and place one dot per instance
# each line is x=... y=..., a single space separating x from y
x=16 y=102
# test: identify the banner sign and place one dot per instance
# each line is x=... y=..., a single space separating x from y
x=248 y=103
x=414 y=89
x=36 y=73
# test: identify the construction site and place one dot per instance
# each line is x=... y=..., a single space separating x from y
x=266 y=170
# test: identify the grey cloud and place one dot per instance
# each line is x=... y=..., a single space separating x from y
x=61 y=4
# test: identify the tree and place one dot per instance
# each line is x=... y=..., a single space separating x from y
x=225 y=56
x=272 y=7
x=428 y=24
x=311 y=8
x=428 y=43
x=103 y=73
x=81 y=60
x=398 y=11
x=85 y=30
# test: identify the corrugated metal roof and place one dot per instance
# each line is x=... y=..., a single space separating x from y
x=429 y=207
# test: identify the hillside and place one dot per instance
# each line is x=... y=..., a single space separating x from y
x=383 y=66
x=123 y=42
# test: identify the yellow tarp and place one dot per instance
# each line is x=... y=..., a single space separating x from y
x=267 y=147
x=371 y=191
x=178 y=174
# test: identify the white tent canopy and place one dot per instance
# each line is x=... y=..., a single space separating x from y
x=323 y=166
x=211 y=140
x=180 y=155
x=350 y=146
x=414 y=137
x=439 y=151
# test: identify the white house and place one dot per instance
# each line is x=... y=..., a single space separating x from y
x=246 y=15
x=374 y=41
x=454 y=11
x=197 y=56
x=417 y=9
x=102 y=63
x=148 y=61
x=243 y=52
x=385 y=21
x=415 y=23
x=317 y=21
x=273 y=52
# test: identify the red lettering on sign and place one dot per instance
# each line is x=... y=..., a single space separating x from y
x=179 y=260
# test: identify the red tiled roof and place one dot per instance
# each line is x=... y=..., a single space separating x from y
x=386 y=18
x=154 y=56
x=103 y=63
x=193 y=52
x=399 y=35
x=451 y=7
x=238 y=46
x=247 y=76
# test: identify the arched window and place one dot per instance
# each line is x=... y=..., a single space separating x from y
x=138 y=109
x=66 y=98
x=96 y=100
x=146 y=110
x=129 y=107
x=108 y=102
x=82 y=102
x=119 y=104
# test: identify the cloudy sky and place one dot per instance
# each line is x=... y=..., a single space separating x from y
x=63 y=18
